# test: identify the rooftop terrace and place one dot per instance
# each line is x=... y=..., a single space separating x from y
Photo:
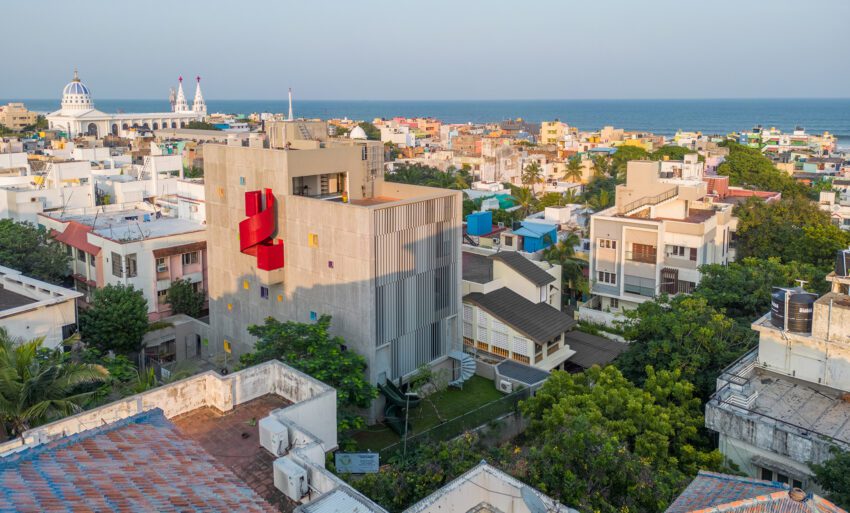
x=131 y=224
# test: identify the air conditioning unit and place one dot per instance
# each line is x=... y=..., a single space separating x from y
x=290 y=478
x=161 y=268
x=500 y=224
x=506 y=386
x=274 y=436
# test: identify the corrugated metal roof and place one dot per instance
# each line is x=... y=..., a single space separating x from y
x=528 y=269
x=339 y=500
x=537 y=321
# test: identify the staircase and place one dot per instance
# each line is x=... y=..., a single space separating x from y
x=305 y=134
x=467 y=367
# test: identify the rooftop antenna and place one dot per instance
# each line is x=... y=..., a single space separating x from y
x=802 y=283
x=290 y=118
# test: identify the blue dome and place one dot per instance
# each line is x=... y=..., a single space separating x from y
x=76 y=87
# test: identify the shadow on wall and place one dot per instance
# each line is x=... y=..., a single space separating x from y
x=398 y=321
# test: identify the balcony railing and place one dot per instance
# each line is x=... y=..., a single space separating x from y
x=646 y=257
x=638 y=285
x=649 y=200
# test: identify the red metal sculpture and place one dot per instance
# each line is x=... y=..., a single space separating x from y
x=255 y=233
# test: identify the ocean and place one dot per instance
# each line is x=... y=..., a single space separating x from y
x=657 y=116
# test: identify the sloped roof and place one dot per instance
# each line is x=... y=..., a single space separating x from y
x=713 y=492
x=592 y=349
x=524 y=266
x=537 y=321
x=75 y=235
x=141 y=463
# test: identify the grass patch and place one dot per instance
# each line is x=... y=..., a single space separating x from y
x=441 y=407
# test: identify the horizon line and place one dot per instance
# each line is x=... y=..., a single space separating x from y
x=283 y=99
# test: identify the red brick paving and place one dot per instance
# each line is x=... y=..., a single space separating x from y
x=221 y=436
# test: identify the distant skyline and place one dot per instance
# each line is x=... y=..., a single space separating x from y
x=440 y=50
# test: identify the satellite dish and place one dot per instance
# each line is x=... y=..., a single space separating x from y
x=533 y=501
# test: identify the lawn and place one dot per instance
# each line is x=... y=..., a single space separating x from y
x=435 y=409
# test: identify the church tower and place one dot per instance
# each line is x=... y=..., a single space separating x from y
x=199 y=106
x=181 y=105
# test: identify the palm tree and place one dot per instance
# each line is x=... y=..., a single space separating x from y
x=441 y=180
x=572 y=267
x=525 y=199
x=600 y=202
x=571 y=197
x=601 y=165
x=532 y=174
x=36 y=388
x=574 y=170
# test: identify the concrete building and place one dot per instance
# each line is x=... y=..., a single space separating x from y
x=15 y=116
x=131 y=245
x=652 y=241
x=785 y=404
x=31 y=308
x=383 y=259
x=553 y=132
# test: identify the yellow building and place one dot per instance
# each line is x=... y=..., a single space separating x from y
x=551 y=132
x=15 y=116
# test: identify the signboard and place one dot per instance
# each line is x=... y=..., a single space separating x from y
x=357 y=462
x=227 y=346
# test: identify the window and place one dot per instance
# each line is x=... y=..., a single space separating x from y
x=543 y=294
x=264 y=292
x=116 y=265
x=614 y=302
x=509 y=241
x=607 y=244
x=92 y=261
x=132 y=266
x=313 y=240
x=606 y=277
x=241 y=180
x=196 y=287
x=643 y=253
x=162 y=297
x=693 y=256
x=677 y=251
x=69 y=250
x=314 y=316
x=161 y=265
x=190 y=258
x=81 y=255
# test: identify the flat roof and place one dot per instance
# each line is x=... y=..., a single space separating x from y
x=9 y=299
x=521 y=372
x=222 y=436
x=592 y=349
x=131 y=224
x=376 y=200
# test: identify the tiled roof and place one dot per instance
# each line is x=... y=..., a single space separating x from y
x=592 y=349
x=711 y=492
x=524 y=266
x=538 y=321
x=75 y=235
x=141 y=463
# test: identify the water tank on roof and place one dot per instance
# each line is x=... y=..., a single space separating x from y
x=842 y=262
x=792 y=309
x=479 y=223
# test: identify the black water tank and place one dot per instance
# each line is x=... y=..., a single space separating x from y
x=777 y=308
x=801 y=309
x=842 y=262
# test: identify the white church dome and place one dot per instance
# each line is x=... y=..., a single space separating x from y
x=76 y=96
x=358 y=133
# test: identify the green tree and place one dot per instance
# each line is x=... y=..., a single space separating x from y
x=621 y=158
x=601 y=166
x=117 y=319
x=426 y=468
x=372 y=132
x=600 y=442
x=742 y=289
x=184 y=299
x=193 y=172
x=31 y=250
x=672 y=152
x=526 y=201
x=600 y=201
x=38 y=386
x=834 y=476
x=683 y=334
x=572 y=267
x=574 y=170
x=748 y=167
x=311 y=349
x=532 y=175
x=792 y=229
x=201 y=125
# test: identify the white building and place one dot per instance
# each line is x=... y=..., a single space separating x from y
x=77 y=115
x=31 y=308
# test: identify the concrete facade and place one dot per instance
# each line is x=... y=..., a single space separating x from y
x=381 y=258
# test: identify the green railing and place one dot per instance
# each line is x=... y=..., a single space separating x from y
x=459 y=425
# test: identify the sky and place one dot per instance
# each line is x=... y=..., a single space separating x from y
x=430 y=50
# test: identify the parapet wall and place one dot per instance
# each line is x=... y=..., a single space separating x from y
x=313 y=401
